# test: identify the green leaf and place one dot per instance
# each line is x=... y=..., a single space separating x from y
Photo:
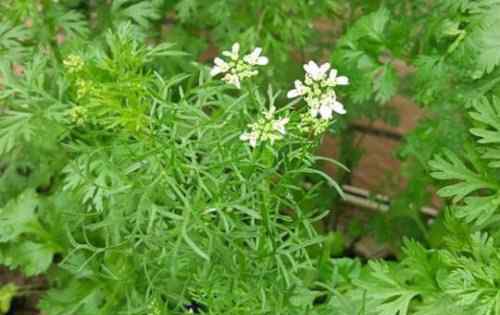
x=78 y=297
x=372 y=25
x=73 y=23
x=450 y=167
x=18 y=216
x=487 y=41
x=388 y=289
x=32 y=258
x=186 y=8
x=11 y=38
x=14 y=126
x=386 y=84
x=488 y=114
x=142 y=12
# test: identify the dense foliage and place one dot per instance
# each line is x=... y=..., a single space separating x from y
x=140 y=177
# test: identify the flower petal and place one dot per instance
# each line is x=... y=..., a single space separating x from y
x=219 y=62
x=262 y=61
x=279 y=125
x=215 y=71
x=338 y=107
x=311 y=68
x=236 y=48
x=325 y=111
x=244 y=136
x=323 y=69
x=342 y=80
x=333 y=74
x=293 y=94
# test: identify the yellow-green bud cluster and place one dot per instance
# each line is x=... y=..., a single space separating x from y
x=83 y=88
x=78 y=115
x=74 y=63
x=310 y=125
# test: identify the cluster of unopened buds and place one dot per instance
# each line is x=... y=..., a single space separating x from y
x=312 y=125
x=238 y=68
x=78 y=115
x=74 y=63
x=318 y=90
x=268 y=128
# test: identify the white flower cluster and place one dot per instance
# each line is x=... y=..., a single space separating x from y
x=318 y=90
x=266 y=129
x=237 y=69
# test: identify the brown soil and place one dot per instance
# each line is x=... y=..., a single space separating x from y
x=24 y=304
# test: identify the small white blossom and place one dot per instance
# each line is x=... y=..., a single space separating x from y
x=233 y=79
x=327 y=108
x=315 y=72
x=318 y=90
x=279 y=125
x=300 y=89
x=220 y=67
x=334 y=80
x=237 y=69
x=251 y=137
x=234 y=54
x=266 y=129
x=255 y=58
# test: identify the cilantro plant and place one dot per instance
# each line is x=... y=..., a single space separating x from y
x=138 y=189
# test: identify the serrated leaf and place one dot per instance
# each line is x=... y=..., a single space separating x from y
x=142 y=12
x=18 y=216
x=78 y=297
x=14 y=126
x=450 y=167
x=386 y=84
x=32 y=258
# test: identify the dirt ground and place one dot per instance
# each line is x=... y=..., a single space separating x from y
x=24 y=304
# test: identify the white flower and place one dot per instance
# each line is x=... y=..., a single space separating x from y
x=251 y=137
x=255 y=58
x=318 y=90
x=234 y=54
x=233 y=79
x=315 y=72
x=327 y=108
x=300 y=89
x=279 y=125
x=237 y=69
x=334 y=80
x=266 y=129
x=220 y=67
